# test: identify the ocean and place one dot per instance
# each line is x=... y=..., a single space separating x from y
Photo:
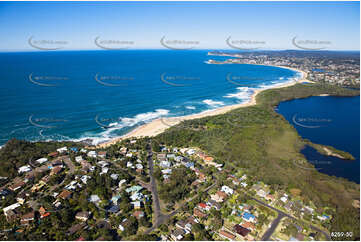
x=99 y=95
x=331 y=121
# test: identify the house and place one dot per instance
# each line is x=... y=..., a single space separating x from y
x=56 y=170
x=138 y=214
x=219 y=196
x=83 y=216
x=43 y=212
x=323 y=217
x=167 y=171
x=103 y=163
x=189 y=165
x=178 y=234
x=243 y=184
x=121 y=182
x=270 y=197
x=17 y=186
x=79 y=158
x=53 y=154
x=262 y=193
x=249 y=217
x=57 y=162
x=123 y=150
x=201 y=176
x=42 y=160
x=62 y=150
x=309 y=209
x=283 y=199
x=24 y=169
x=21 y=198
x=27 y=218
x=94 y=199
x=170 y=156
x=12 y=207
x=227 y=190
x=38 y=186
x=190 y=152
x=115 y=199
x=133 y=189
x=165 y=164
x=65 y=194
x=199 y=213
x=104 y=170
x=214 y=204
x=137 y=204
x=4 y=193
x=85 y=179
x=102 y=154
x=92 y=154
x=248 y=225
x=181 y=224
x=227 y=235
x=204 y=206
x=192 y=220
x=130 y=164
x=139 y=166
x=114 y=209
x=241 y=230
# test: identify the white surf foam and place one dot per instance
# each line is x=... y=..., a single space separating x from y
x=212 y=103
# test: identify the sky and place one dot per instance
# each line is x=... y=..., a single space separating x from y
x=203 y=25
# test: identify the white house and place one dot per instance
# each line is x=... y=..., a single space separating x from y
x=78 y=158
x=262 y=193
x=191 y=152
x=24 y=169
x=121 y=182
x=283 y=199
x=165 y=164
x=227 y=190
x=85 y=179
x=114 y=176
x=62 y=150
x=103 y=163
x=42 y=160
x=243 y=184
x=104 y=170
x=92 y=154
x=11 y=207
x=167 y=171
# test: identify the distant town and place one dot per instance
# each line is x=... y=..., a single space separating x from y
x=140 y=189
x=335 y=68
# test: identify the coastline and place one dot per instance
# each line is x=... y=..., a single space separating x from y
x=159 y=125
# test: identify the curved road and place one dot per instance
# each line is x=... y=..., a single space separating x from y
x=283 y=214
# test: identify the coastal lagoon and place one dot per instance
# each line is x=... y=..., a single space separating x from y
x=99 y=95
x=328 y=120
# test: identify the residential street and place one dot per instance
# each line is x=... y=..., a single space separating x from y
x=281 y=213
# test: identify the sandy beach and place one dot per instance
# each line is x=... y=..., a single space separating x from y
x=159 y=125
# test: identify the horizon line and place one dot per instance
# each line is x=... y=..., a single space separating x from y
x=195 y=49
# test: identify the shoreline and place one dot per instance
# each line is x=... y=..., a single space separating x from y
x=159 y=125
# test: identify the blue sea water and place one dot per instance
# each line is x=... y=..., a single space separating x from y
x=331 y=121
x=98 y=95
